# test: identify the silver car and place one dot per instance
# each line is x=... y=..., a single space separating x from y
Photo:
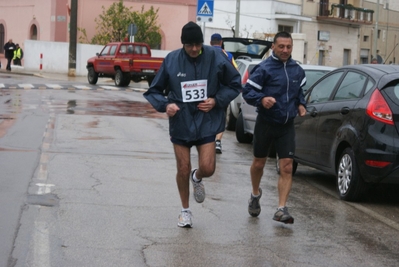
x=246 y=119
x=246 y=53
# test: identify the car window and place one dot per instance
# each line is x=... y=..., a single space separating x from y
x=105 y=51
x=370 y=85
x=144 y=50
x=312 y=76
x=392 y=90
x=123 y=49
x=351 y=86
x=321 y=92
x=113 y=50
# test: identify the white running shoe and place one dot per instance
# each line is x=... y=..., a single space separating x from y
x=185 y=219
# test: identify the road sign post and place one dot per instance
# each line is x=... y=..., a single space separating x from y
x=205 y=10
x=132 y=30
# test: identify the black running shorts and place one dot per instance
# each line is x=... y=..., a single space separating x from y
x=198 y=142
x=281 y=135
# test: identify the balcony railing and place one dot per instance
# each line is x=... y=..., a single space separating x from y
x=346 y=14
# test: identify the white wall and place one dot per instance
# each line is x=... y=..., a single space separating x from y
x=55 y=56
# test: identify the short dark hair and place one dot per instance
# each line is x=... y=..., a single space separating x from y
x=282 y=35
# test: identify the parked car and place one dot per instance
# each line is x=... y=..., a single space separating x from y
x=351 y=128
x=246 y=52
x=124 y=62
x=246 y=119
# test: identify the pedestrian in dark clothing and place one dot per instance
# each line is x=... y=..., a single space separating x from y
x=9 y=48
x=275 y=88
x=201 y=82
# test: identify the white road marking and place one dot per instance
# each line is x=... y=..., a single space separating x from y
x=26 y=85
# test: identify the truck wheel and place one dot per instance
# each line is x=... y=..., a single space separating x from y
x=92 y=75
x=120 y=79
x=149 y=80
x=242 y=137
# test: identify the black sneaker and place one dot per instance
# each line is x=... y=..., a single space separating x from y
x=218 y=147
x=283 y=216
x=253 y=204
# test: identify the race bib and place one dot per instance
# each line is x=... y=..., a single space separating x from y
x=193 y=91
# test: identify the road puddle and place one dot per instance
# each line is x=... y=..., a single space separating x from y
x=113 y=108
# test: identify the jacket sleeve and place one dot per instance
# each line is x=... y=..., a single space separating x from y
x=155 y=94
x=230 y=83
x=252 y=91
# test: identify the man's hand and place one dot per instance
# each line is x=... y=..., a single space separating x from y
x=301 y=110
x=207 y=104
x=171 y=109
x=268 y=102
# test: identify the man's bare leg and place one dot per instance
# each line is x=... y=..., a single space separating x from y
x=256 y=172
x=284 y=181
x=206 y=160
x=183 y=163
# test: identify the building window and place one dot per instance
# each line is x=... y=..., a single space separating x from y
x=285 y=28
x=33 y=32
x=2 y=41
x=365 y=38
x=379 y=34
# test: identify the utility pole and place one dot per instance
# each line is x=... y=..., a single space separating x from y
x=237 y=27
x=375 y=36
x=73 y=28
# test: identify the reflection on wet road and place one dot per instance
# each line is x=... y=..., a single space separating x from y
x=111 y=108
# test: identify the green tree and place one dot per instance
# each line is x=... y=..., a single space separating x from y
x=112 y=25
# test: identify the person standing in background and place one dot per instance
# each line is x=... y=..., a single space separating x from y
x=9 y=48
x=217 y=41
x=18 y=55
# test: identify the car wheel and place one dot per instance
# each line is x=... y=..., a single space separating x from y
x=92 y=76
x=242 y=136
x=350 y=184
x=149 y=80
x=294 y=166
x=120 y=79
x=230 y=120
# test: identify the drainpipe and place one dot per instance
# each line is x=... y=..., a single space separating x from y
x=237 y=27
x=73 y=28
x=377 y=16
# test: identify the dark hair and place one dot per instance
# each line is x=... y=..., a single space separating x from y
x=281 y=35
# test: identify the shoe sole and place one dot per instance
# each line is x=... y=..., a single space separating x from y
x=254 y=213
x=185 y=226
x=288 y=221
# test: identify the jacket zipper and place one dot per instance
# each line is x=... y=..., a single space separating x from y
x=288 y=87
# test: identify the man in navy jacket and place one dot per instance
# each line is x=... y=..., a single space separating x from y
x=275 y=88
x=9 y=48
x=199 y=82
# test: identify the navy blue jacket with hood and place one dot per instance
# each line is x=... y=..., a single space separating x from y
x=281 y=80
x=223 y=84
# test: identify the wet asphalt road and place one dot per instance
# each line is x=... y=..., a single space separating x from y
x=88 y=180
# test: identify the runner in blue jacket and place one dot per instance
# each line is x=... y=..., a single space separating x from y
x=194 y=86
x=275 y=88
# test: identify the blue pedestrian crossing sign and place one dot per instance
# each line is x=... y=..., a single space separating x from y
x=205 y=10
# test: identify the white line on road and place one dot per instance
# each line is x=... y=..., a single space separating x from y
x=26 y=85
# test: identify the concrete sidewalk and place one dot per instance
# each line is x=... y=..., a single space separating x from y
x=20 y=70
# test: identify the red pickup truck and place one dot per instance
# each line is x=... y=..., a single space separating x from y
x=123 y=62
